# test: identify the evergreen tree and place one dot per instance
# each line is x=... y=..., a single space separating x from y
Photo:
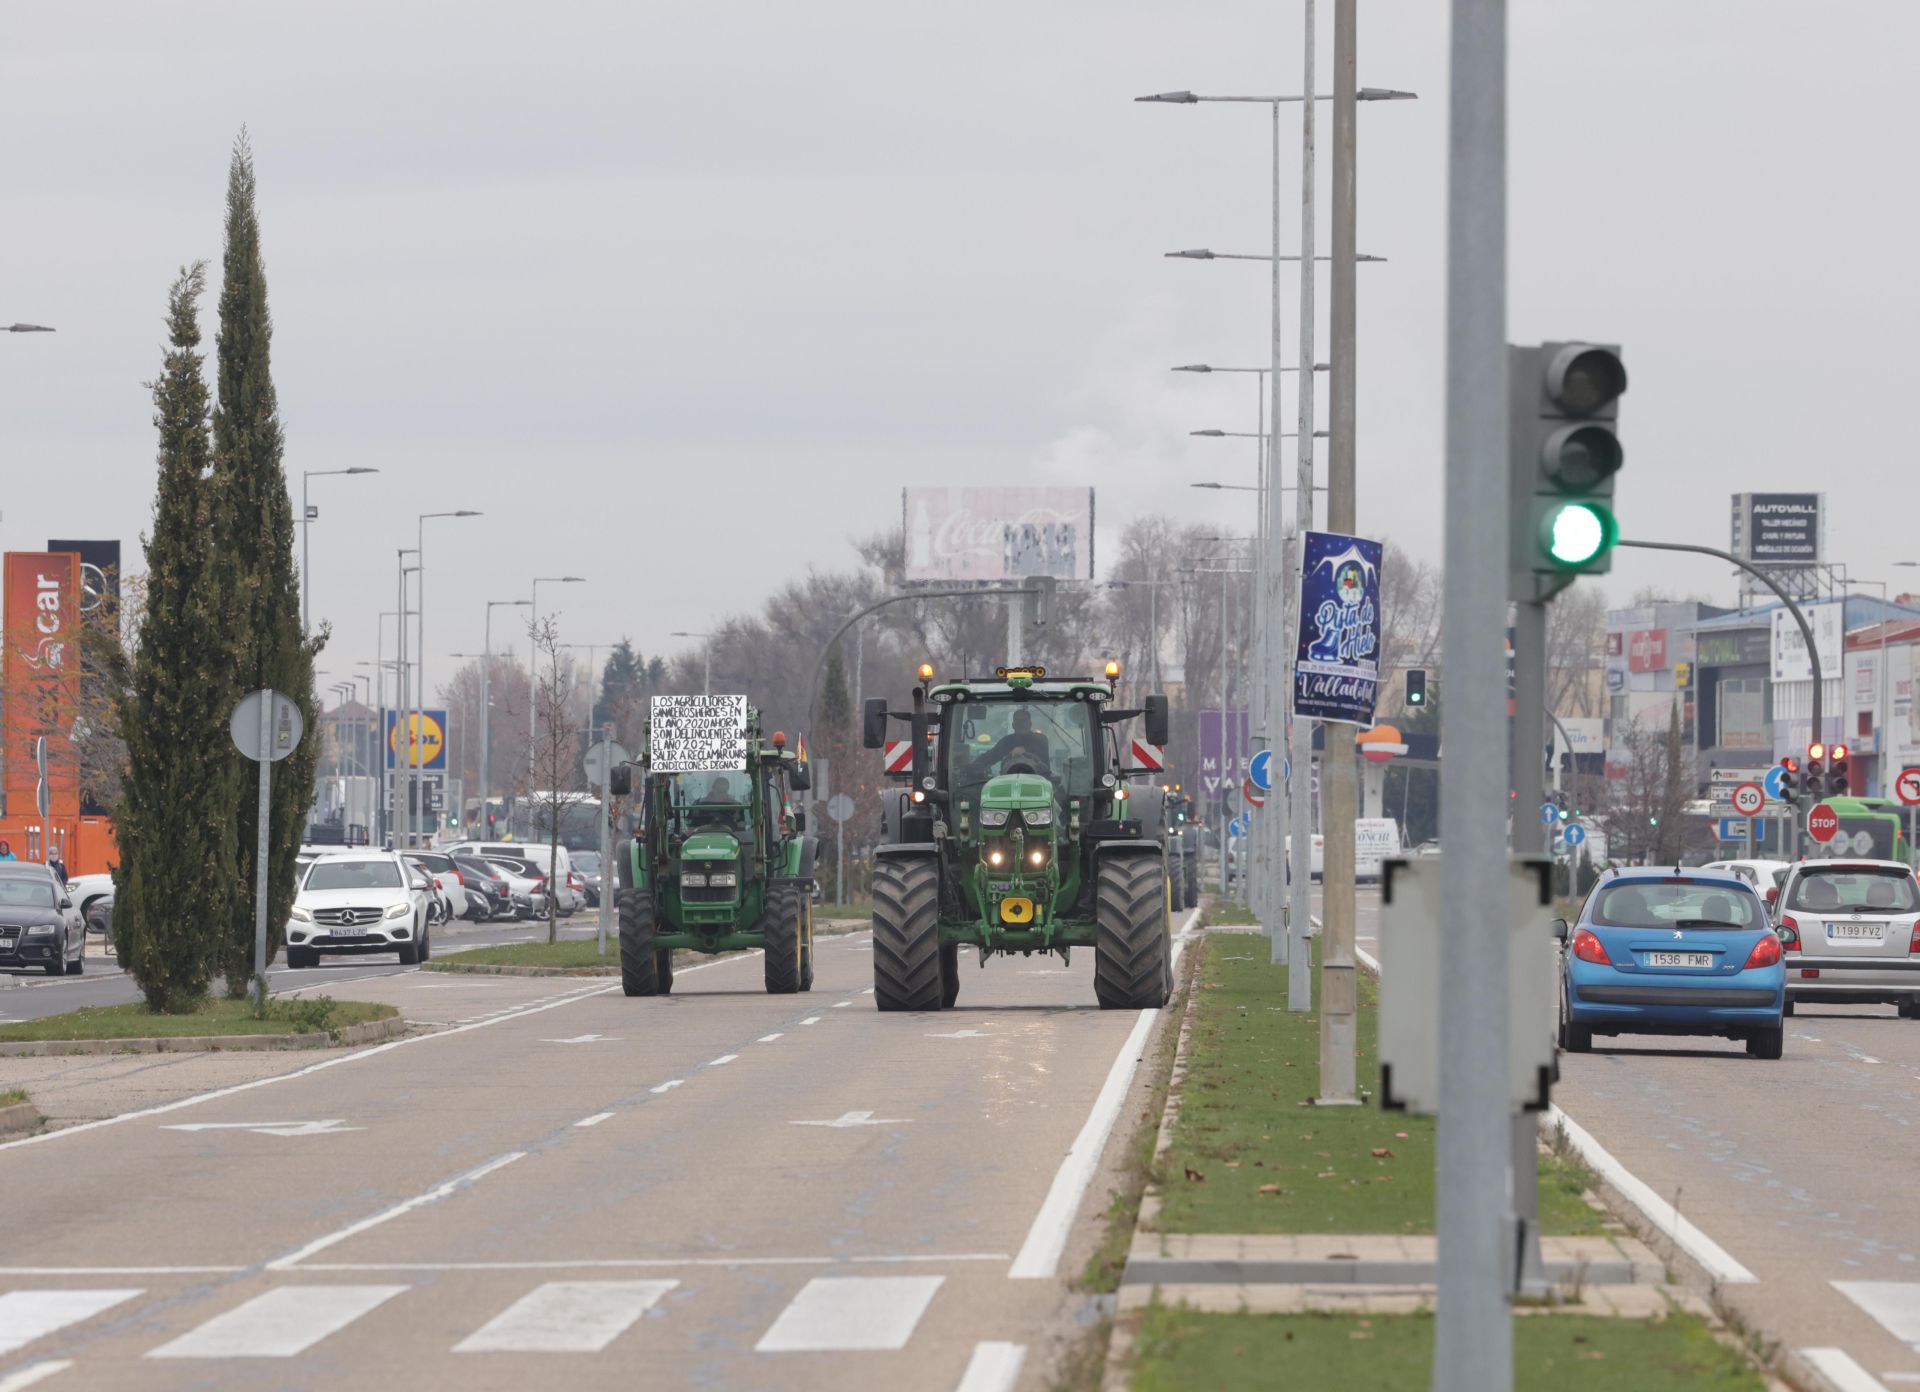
x=619 y=682
x=836 y=706
x=177 y=874
x=255 y=523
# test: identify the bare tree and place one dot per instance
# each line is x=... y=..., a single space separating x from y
x=554 y=770
x=1576 y=643
x=1646 y=806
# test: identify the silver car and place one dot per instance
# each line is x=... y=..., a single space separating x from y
x=1851 y=930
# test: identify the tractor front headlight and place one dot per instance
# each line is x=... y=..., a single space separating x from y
x=694 y=881
x=993 y=816
x=1037 y=816
x=727 y=881
x=996 y=857
x=1036 y=857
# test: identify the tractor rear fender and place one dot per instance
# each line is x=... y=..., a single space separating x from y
x=908 y=848
x=1103 y=849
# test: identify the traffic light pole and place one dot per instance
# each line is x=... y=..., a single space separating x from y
x=1530 y=793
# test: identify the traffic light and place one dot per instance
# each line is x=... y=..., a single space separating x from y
x=1790 y=781
x=1416 y=687
x=1839 y=782
x=1816 y=784
x=1563 y=453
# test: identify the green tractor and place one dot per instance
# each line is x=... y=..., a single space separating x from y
x=1017 y=833
x=722 y=860
x=1182 y=838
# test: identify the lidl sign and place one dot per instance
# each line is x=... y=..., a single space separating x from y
x=428 y=739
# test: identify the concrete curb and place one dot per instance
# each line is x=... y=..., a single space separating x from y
x=19 y=1119
x=499 y=969
x=367 y=1033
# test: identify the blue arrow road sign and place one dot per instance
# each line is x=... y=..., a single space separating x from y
x=1261 y=770
x=1573 y=833
x=1771 y=783
x=1549 y=814
x=1237 y=827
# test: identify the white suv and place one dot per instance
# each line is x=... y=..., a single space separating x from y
x=360 y=902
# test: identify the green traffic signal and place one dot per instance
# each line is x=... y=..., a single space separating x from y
x=1564 y=451
x=1574 y=533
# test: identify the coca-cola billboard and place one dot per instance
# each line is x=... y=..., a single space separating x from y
x=986 y=534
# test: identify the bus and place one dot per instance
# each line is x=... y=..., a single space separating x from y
x=1872 y=828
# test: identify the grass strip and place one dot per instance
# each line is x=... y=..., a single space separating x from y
x=12 y=1097
x=1248 y=1157
x=1179 y=1350
x=134 y=1021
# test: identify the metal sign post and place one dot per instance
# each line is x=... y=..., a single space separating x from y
x=266 y=727
x=600 y=762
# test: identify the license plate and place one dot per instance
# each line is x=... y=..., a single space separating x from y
x=1854 y=930
x=1679 y=959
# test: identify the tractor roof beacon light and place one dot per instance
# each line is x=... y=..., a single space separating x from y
x=926 y=671
x=1113 y=670
x=1563 y=455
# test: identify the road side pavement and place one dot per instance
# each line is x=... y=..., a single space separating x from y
x=722 y=1189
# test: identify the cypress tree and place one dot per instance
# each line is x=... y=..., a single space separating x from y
x=176 y=878
x=255 y=521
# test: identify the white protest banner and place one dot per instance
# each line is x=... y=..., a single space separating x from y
x=699 y=734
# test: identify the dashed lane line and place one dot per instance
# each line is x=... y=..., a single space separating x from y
x=767 y=1038
x=34 y=1373
x=405 y=1206
x=1837 y=1367
x=994 y=1367
x=595 y=1119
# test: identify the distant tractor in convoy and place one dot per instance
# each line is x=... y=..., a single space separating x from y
x=1182 y=835
x=723 y=860
x=1018 y=834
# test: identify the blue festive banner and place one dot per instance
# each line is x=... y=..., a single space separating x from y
x=1337 y=663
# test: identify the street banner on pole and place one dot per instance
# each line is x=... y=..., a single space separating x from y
x=1337 y=671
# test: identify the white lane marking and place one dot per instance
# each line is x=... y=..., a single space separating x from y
x=119 y=1270
x=279 y=1324
x=724 y=1058
x=854 y=1119
x=1367 y=960
x=595 y=1119
x=994 y=1367
x=961 y=1034
x=330 y=1127
x=566 y=1317
x=668 y=1086
x=767 y=1038
x=867 y=992
x=371 y=1051
x=841 y=1005
x=812 y=1020
x=1839 y=1369
x=1896 y=1304
x=29 y=1315
x=659 y=1263
x=1716 y=1260
x=34 y=1373
x=1046 y=1240
x=1890 y=1377
x=583 y=1039
x=841 y=1313
x=431 y=1196
x=572 y=997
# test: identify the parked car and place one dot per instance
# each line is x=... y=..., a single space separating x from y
x=1851 y=933
x=39 y=924
x=527 y=893
x=1660 y=952
x=368 y=901
x=1764 y=875
x=487 y=888
x=449 y=893
x=534 y=856
x=586 y=868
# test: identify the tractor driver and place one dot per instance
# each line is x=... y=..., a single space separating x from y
x=717 y=806
x=1022 y=750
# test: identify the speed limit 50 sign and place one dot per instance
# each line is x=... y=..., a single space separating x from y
x=1748 y=799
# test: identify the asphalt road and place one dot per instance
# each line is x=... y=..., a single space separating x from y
x=723 y=1189
x=31 y=995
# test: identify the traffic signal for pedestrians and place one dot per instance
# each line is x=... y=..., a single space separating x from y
x=1563 y=453
x=1790 y=781
x=1416 y=687
x=1839 y=782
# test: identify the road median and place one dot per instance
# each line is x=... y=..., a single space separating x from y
x=217 y=1026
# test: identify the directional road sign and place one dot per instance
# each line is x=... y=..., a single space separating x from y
x=1748 y=799
x=1238 y=826
x=839 y=807
x=1574 y=833
x=1771 y=783
x=1549 y=814
x=1907 y=786
x=1261 y=770
x=1822 y=822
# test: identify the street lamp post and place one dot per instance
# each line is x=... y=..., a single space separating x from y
x=486 y=703
x=533 y=660
x=403 y=732
x=707 y=682
x=306 y=519
x=420 y=614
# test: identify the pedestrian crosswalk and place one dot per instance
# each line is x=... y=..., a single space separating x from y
x=824 y=1314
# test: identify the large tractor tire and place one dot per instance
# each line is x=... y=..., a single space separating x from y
x=1190 y=869
x=906 y=933
x=949 y=975
x=806 y=950
x=784 y=931
x=639 y=959
x=1132 y=952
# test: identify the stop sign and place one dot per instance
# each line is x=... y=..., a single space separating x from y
x=1823 y=822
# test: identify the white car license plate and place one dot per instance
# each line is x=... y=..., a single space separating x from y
x=1679 y=959
x=1854 y=930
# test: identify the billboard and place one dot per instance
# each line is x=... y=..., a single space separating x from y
x=99 y=571
x=40 y=679
x=429 y=743
x=989 y=534
x=1336 y=670
x=1647 y=650
x=1789 y=649
x=1779 y=529
x=1215 y=726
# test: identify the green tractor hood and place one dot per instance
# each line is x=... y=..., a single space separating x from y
x=710 y=845
x=1016 y=792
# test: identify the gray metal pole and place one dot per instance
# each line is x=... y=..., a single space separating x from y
x=1300 y=980
x=402 y=737
x=260 y=852
x=420 y=649
x=306 y=582
x=1226 y=727
x=486 y=723
x=1279 y=605
x=1339 y=1002
x=1257 y=858
x=1529 y=786
x=1473 y=1336
x=607 y=877
x=383 y=814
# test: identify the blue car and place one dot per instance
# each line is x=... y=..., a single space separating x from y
x=1671 y=952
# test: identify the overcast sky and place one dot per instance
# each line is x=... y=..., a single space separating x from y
x=680 y=295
